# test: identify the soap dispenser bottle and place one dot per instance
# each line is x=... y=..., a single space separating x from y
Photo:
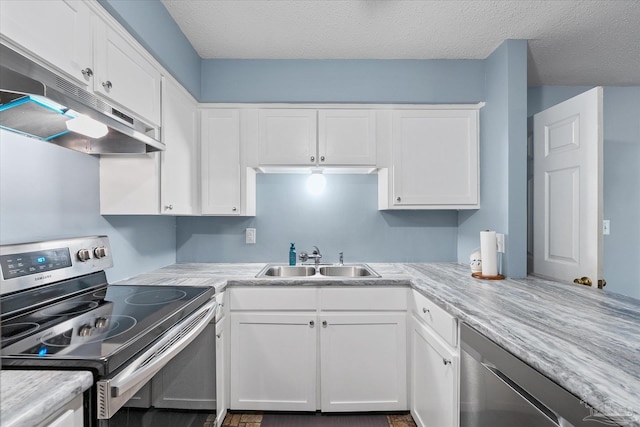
x=292 y=254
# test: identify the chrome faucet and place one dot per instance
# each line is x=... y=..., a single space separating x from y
x=316 y=255
x=341 y=261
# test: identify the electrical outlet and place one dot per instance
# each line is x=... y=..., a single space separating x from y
x=250 y=236
x=500 y=242
x=606 y=227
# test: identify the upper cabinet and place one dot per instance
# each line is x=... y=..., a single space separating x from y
x=124 y=76
x=322 y=137
x=59 y=32
x=180 y=161
x=228 y=186
x=434 y=161
x=84 y=43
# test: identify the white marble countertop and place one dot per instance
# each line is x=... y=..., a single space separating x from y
x=586 y=340
x=27 y=398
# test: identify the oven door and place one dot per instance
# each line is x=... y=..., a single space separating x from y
x=114 y=391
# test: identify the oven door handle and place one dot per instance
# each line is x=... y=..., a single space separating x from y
x=114 y=392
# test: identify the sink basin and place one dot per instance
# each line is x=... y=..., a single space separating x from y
x=354 y=270
x=348 y=271
x=287 y=271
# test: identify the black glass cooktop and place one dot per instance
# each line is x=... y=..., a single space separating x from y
x=97 y=329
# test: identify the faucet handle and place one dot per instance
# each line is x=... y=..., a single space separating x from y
x=303 y=256
x=316 y=251
x=341 y=262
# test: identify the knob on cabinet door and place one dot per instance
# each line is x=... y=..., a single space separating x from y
x=87 y=72
x=107 y=85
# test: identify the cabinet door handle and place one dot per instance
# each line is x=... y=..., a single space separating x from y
x=107 y=85
x=446 y=362
x=234 y=209
x=313 y=158
x=87 y=72
x=322 y=158
x=311 y=323
x=219 y=335
x=398 y=199
x=324 y=323
x=425 y=310
x=169 y=207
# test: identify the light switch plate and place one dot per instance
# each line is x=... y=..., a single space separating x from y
x=250 y=236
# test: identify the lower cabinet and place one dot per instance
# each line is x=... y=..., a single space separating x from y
x=329 y=357
x=221 y=370
x=273 y=361
x=70 y=415
x=434 y=379
x=363 y=362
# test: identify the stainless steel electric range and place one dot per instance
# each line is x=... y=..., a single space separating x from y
x=59 y=312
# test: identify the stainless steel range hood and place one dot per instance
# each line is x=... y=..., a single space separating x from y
x=38 y=103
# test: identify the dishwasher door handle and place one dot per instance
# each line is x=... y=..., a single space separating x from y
x=544 y=409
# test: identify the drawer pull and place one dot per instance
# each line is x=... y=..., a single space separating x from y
x=425 y=310
x=446 y=362
x=324 y=323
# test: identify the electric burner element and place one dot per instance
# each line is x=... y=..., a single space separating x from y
x=117 y=325
x=18 y=330
x=156 y=297
x=67 y=308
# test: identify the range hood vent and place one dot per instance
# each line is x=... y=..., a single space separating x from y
x=40 y=104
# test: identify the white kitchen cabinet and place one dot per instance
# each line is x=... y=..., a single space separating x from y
x=59 y=32
x=273 y=361
x=346 y=137
x=322 y=137
x=180 y=162
x=287 y=136
x=130 y=184
x=222 y=370
x=228 y=187
x=123 y=75
x=363 y=362
x=434 y=379
x=434 y=160
x=70 y=415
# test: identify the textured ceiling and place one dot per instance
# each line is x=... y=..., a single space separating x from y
x=571 y=42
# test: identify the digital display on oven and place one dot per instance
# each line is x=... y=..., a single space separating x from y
x=25 y=264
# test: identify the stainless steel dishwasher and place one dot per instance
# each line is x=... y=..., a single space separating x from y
x=499 y=390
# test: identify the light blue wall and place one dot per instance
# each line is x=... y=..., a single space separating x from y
x=150 y=23
x=344 y=218
x=503 y=130
x=342 y=80
x=621 y=115
x=50 y=192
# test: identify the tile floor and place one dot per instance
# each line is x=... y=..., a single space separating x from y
x=255 y=419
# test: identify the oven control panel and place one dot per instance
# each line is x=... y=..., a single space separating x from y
x=27 y=265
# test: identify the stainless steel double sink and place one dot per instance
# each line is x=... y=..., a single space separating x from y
x=351 y=270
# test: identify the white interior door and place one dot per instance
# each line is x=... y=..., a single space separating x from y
x=568 y=189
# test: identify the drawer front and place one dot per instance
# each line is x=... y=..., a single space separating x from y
x=444 y=324
x=273 y=298
x=363 y=298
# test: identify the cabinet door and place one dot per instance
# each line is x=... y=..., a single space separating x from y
x=346 y=137
x=434 y=380
x=130 y=184
x=124 y=76
x=273 y=361
x=221 y=162
x=363 y=362
x=221 y=370
x=435 y=159
x=180 y=162
x=287 y=137
x=56 y=31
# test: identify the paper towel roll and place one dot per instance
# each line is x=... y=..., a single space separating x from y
x=489 y=251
